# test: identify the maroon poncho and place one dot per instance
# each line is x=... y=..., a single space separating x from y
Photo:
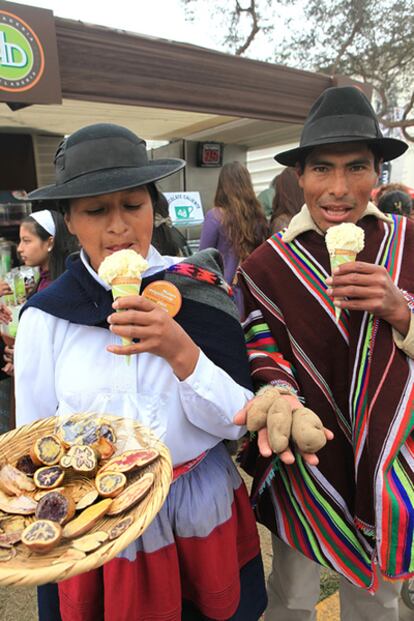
x=356 y=507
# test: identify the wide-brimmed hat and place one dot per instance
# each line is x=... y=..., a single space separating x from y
x=103 y=158
x=340 y=115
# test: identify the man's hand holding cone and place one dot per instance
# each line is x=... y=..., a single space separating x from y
x=343 y=242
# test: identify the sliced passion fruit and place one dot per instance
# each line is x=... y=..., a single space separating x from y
x=48 y=477
x=81 y=458
x=25 y=464
x=47 y=451
x=56 y=507
x=119 y=528
x=132 y=494
x=129 y=460
x=110 y=484
x=42 y=536
x=104 y=447
x=84 y=431
x=107 y=431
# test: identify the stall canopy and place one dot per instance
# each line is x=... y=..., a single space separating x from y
x=165 y=90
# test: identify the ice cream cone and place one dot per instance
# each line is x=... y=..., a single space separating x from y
x=122 y=271
x=337 y=258
x=122 y=287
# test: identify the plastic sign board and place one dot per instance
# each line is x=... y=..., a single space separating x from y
x=29 y=68
x=210 y=154
x=185 y=207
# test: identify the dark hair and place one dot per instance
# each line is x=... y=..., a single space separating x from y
x=390 y=187
x=397 y=202
x=288 y=198
x=165 y=237
x=372 y=147
x=242 y=215
x=63 y=242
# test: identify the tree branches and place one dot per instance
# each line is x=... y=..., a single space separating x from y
x=369 y=40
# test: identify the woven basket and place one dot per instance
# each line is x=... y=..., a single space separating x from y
x=29 y=568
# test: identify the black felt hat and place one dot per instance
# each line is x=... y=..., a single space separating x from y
x=340 y=115
x=103 y=158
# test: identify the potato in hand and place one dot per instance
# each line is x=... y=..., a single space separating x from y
x=307 y=431
x=279 y=424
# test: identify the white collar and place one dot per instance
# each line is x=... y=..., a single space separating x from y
x=303 y=222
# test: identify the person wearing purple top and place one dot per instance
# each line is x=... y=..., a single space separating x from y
x=236 y=225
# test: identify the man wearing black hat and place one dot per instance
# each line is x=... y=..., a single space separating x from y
x=350 y=508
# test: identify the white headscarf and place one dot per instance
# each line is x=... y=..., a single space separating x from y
x=45 y=219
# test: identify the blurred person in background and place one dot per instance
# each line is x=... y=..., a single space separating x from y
x=266 y=198
x=389 y=187
x=45 y=243
x=236 y=225
x=166 y=238
x=396 y=201
x=288 y=199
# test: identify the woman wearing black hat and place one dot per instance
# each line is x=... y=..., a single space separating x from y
x=200 y=557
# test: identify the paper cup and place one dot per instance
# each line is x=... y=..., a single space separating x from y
x=339 y=258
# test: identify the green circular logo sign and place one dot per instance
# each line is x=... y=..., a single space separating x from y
x=21 y=54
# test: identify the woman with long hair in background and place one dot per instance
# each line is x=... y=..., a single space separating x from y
x=287 y=201
x=236 y=224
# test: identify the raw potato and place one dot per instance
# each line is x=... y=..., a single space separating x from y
x=257 y=412
x=307 y=431
x=279 y=424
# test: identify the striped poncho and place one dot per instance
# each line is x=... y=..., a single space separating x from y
x=355 y=509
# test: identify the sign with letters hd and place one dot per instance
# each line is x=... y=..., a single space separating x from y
x=185 y=207
x=29 y=68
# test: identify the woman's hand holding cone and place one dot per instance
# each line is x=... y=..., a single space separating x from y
x=153 y=331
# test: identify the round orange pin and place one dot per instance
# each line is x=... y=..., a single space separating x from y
x=165 y=294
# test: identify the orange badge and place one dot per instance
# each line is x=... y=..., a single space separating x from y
x=165 y=294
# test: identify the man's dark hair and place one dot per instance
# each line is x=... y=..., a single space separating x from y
x=373 y=148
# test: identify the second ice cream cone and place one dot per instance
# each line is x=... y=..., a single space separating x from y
x=337 y=258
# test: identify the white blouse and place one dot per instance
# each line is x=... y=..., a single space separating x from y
x=64 y=367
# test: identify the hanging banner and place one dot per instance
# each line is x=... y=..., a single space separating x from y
x=29 y=67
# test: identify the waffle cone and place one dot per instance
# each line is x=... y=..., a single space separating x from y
x=340 y=257
x=121 y=288
x=123 y=280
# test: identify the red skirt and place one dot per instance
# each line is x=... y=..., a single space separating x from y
x=194 y=551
